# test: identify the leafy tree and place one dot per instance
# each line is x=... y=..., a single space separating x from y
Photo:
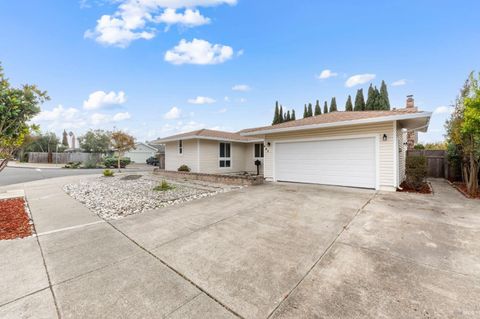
x=310 y=110
x=384 y=96
x=325 y=108
x=65 y=139
x=276 y=116
x=122 y=142
x=47 y=143
x=333 y=105
x=348 y=104
x=95 y=141
x=359 y=101
x=463 y=131
x=371 y=99
x=280 y=115
x=17 y=107
x=293 y=115
x=318 y=110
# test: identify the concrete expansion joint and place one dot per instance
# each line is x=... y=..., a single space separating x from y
x=177 y=272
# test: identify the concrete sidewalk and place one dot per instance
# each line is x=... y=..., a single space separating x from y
x=34 y=165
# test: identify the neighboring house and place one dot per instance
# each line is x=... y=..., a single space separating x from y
x=141 y=152
x=359 y=149
x=211 y=151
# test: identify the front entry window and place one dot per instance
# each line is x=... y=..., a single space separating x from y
x=224 y=158
x=258 y=150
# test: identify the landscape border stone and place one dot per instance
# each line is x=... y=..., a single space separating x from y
x=245 y=180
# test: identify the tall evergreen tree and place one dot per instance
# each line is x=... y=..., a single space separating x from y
x=384 y=96
x=310 y=110
x=318 y=110
x=281 y=119
x=305 y=111
x=359 y=101
x=293 y=115
x=379 y=103
x=333 y=105
x=276 y=115
x=288 y=116
x=371 y=99
x=65 y=139
x=348 y=104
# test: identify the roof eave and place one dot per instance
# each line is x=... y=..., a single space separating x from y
x=341 y=123
x=192 y=137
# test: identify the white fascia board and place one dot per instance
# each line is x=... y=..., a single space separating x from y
x=342 y=123
x=192 y=137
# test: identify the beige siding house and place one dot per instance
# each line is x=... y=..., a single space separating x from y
x=356 y=149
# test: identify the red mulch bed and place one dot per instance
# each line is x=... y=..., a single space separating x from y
x=462 y=187
x=424 y=189
x=14 y=220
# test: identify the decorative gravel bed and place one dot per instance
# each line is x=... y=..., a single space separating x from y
x=14 y=220
x=120 y=196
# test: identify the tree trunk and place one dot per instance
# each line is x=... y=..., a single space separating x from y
x=3 y=164
x=472 y=185
x=118 y=162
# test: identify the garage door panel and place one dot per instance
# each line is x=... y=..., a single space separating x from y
x=347 y=162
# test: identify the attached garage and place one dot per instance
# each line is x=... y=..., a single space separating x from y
x=343 y=162
x=141 y=152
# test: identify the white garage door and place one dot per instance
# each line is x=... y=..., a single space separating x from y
x=139 y=157
x=345 y=162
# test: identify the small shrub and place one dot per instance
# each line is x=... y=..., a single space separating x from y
x=110 y=162
x=416 y=171
x=164 y=186
x=73 y=165
x=419 y=147
x=90 y=164
x=107 y=173
x=184 y=168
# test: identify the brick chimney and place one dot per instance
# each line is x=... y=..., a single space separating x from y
x=412 y=136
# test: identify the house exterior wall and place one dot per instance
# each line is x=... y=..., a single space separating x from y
x=386 y=157
x=173 y=160
x=402 y=153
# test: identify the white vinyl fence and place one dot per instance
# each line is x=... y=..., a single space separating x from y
x=63 y=158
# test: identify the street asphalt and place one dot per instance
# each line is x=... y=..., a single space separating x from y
x=15 y=175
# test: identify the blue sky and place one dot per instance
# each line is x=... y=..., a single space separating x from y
x=159 y=67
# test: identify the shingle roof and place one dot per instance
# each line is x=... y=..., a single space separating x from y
x=206 y=133
x=333 y=118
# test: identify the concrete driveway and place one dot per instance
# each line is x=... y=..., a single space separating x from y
x=270 y=251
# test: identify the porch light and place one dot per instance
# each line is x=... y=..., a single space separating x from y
x=384 y=137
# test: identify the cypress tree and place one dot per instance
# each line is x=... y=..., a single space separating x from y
x=325 y=108
x=65 y=139
x=333 y=105
x=371 y=99
x=318 y=110
x=275 y=116
x=293 y=115
x=348 y=105
x=310 y=110
x=305 y=112
x=359 y=101
x=378 y=104
x=288 y=116
x=384 y=95
x=280 y=115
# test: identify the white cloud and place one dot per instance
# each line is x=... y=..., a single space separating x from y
x=241 y=87
x=189 y=18
x=359 y=79
x=122 y=116
x=136 y=19
x=222 y=110
x=201 y=100
x=99 y=118
x=443 y=110
x=325 y=74
x=198 y=52
x=399 y=82
x=100 y=99
x=174 y=113
x=57 y=113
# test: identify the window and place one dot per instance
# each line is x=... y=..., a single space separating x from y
x=180 y=147
x=259 y=150
x=224 y=158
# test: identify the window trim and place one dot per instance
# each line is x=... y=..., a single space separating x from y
x=180 y=147
x=224 y=158
x=262 y=150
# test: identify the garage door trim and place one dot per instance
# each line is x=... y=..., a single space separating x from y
x=345 y=137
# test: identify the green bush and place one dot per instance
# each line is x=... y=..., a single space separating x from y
x=419 y=147
x=92 y=163
x=416 y=171
x=164 y=186
x=110 y=162
x=73 y=165
x=107 y=173
x=184 y=168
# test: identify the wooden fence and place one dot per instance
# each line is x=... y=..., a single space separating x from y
x=437 y=163
x=63 y=158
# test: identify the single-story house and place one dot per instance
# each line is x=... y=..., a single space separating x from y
x=358 y=149
x=141 y=152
